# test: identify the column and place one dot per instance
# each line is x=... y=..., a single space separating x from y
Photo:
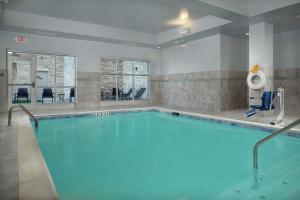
x=261 y=53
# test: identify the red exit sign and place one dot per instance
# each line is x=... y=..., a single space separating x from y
x=21 y=39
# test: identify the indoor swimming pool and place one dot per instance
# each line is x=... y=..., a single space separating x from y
x=154 y=155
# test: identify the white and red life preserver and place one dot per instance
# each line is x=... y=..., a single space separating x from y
x=257 y=80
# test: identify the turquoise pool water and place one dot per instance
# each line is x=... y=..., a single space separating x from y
x=152 y=155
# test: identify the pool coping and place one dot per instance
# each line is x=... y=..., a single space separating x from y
x=234 y=122
x=35 y=180
x=226 y=120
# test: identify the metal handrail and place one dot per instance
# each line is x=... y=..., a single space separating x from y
x=255 y=149
x=36 y=123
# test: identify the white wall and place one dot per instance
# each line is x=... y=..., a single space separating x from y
x=287 y=50
x=234 y=54
x=214 y=53
x=88 y=52
x=221 y=52
x=197 y=56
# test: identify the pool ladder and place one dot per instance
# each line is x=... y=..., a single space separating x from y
x=264 y=140
x=36 y=123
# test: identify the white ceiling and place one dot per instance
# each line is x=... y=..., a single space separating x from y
x=251 y=7
x=150 y=16
x=44 y=17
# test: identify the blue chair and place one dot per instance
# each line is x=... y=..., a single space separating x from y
x=139 y=93
x=114 y=94
x=47 y=93
x=72 y=94
x=126 y=96
x=22 y=93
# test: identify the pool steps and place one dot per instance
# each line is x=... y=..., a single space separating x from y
x=269 y=183
x=269 y=137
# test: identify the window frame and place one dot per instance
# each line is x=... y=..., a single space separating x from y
x=133 y=75
x=56 y=86
x=34 y=87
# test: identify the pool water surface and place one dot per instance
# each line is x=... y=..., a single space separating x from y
x=153 y=155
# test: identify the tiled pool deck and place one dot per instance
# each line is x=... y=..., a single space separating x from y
x=23 y=172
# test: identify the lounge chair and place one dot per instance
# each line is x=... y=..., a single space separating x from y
x=114 y=94
x=22 y=93
x=126 y=96
x=139 y=93
x=47 y=94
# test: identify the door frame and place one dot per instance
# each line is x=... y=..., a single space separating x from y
x=31 y=84
x=33 y=104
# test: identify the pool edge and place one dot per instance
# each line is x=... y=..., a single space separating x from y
x=233 y=122
x=53 y=193
x=35 y=180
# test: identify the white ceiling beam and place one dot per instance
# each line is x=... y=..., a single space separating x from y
x=18 y=19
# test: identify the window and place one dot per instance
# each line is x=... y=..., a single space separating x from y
x=55 y=79
x=65 y=78
x=124 y=79
x=41 y=78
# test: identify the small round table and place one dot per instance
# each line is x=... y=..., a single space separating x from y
x=61 y=97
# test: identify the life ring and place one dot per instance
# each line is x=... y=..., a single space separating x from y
x=257 y=80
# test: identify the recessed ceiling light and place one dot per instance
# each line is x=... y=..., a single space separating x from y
x=184 y=14
x=9 y=52
x=182 y=19
x=158 y=47
x=247 y=34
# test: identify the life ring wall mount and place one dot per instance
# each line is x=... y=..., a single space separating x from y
x=256 y=80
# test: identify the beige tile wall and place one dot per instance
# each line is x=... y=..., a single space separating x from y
x=219 y=91
x=209 y=91
x=289 y=79
x=88 y=90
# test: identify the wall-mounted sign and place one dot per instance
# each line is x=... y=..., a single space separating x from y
x=22 y=39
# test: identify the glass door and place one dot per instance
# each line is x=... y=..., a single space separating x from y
x=45 y=79
x=41 y=79
x=141 y=80
x=21 y=81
